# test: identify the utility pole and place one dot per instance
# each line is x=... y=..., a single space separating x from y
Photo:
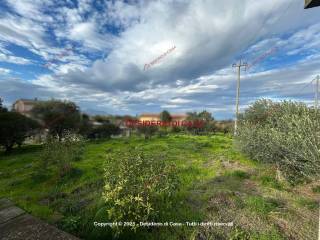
x=316 y=107
x=319 y=224
x=238 y=66
x=316 y=101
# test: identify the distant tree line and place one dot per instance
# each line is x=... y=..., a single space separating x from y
x=57 y=118
x=54 y=116
x=209 y=125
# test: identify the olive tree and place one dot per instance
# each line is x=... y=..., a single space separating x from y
x=15 y=128
x=58 y=116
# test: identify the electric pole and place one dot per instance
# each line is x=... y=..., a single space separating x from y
x=316 y=108
x=316 y=101
x=238 y=66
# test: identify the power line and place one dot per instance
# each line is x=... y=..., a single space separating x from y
x=278 y=19
x=263 y=23
x=306 y=85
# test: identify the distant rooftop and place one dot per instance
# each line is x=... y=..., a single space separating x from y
x=28 y=100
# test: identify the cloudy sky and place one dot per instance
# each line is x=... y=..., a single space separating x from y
x=93 y=52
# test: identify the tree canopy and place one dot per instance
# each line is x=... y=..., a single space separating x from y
x=15 y=128
x=204 y=116
x=2 y=108
x=165 y=116
x=58 y=116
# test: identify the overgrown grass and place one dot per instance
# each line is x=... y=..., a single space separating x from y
x=217 y=184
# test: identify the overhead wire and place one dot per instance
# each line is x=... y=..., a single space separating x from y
x=269 y=15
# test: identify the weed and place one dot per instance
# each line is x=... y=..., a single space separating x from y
x=310 y=204
x=261 y=205
x=70 y=224
x=316 y=189
x=270 y=182
x=239 y=174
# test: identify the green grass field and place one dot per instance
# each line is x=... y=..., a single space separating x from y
x=218 y=184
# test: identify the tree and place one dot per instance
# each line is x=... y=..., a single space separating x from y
x=58 y=116
x=205 y=116
x=101 y=118
x=2 y=108
x=15 y=128
x=85 y=126
x=192 y=116
x=208 y=120
x=205 y=120
x=165 y=116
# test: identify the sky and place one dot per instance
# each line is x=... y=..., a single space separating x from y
x=94 y=53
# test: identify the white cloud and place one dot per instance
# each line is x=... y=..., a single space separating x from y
x=22 y=32
x=13 y=59
x=195 y=75
x=32 y=9
x=4 y=71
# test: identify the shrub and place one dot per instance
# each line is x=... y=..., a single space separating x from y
x=62 y=153
x=104 y=131
x=147 y=131
x=71 y=224
x=137 y=186
x=286 y=133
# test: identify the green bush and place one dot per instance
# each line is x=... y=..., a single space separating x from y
x=61 y=153
x=137 y=186
x=71 y=224
x=147 y=131
x=285 y=133
x=103 y=131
